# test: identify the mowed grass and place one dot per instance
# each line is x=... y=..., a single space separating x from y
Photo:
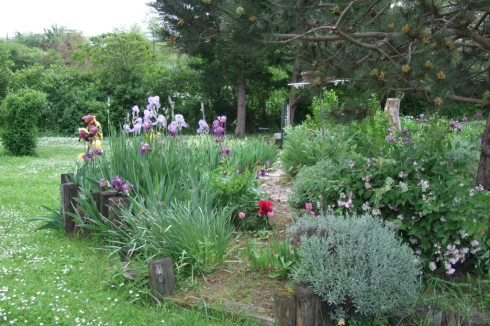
x=47 y=278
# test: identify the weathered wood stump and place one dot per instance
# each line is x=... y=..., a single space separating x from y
x=66 y=178
x=285 y=309
x=392 y=109
x=162 y=277
x=324 y=317
x=68 y=191
x=307 y=303
x=115 y=204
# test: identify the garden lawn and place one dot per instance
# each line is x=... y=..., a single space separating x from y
x=47 y=278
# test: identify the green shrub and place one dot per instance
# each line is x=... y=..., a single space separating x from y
x=425 y=187
x=356 y=264
x=19 y=114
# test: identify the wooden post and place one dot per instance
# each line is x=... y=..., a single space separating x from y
x=66 y=178
x=116 y=203
x=306 y=306
x=104 y=202
x=285 y=309
x=324 y=318
x=68 y=191
x=162 y=277
x=392 y=109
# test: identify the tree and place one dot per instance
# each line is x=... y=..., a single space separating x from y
x=194 y=26
x=120 y=61
x=5 y=65
x=437 y=48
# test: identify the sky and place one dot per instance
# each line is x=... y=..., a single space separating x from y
x=92 y=17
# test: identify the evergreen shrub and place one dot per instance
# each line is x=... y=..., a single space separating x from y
x=355 y=263
x=19 y=114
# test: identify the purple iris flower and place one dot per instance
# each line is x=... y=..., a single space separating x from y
x=125 y=186
x=103 y=183
x=147 y=125
x=459 y=127
x=88 y=155
x=225 y=150
x=203 y=126
x=405 y=131
x=127 y=129
x=390 y=139
x=144 y=148
x=179 y=119
x=465 y=119
x=172 y=128
x=161 y=121
x=479 y=115
x=147 y=114
x=116 y=182
x=97 y=151
x=136 y=111
x=407 y=140
x=137 y=128
x=452 y=124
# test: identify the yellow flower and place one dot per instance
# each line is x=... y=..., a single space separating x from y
x=441 y=75
x=406 y=68
x=80 y=156
x=391 y=25
x=406 y=28
x=437 y=101
x=428 y=65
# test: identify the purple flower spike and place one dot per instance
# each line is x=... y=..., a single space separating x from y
x=144 y=148
x=103 y=183
x=125 y=187
x=116 y=182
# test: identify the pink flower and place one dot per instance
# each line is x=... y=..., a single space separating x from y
x=270 y=214
x=241 y=215
x=308 y=207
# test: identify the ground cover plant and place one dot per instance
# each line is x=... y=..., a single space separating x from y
x=47 y=278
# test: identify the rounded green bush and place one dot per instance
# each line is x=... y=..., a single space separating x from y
x=356 y=263
x=19 y=114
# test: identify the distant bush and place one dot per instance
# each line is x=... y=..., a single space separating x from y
x=19 y=114
x=356 y=264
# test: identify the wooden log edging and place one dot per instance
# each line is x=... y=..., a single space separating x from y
x=68 y=192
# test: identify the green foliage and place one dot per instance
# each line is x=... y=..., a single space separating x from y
x=278 y=257
x=53 y=221
x=425 y=187
x=5 y=68
x=19 y=114
x=356 y=264
x=301 y=148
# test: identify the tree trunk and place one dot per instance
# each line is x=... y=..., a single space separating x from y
x=292 y=93
x=483 y=177
x=392 y=109
x=241 y=110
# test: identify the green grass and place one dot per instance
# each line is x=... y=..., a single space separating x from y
x=47 y=278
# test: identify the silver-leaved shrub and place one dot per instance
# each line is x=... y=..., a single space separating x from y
x=356 y=263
